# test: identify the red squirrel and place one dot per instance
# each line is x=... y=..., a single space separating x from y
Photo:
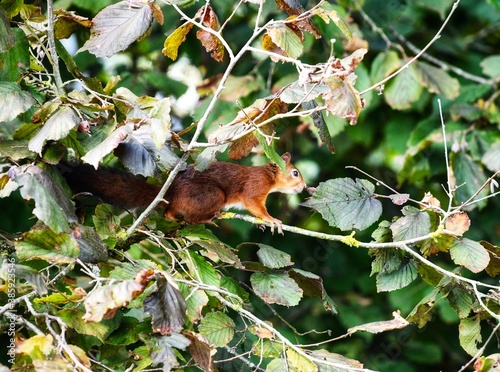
x=195 y=197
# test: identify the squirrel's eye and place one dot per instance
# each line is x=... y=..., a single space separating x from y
x=295 y=173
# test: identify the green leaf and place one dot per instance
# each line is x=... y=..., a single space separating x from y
x=218 y=328
x=201 y=269
x=397 y=279
x=470 y=176
x=437 y=80
x=346 y=204
x=7 y=36
x=117 y=26
x=16 y=59
x=382 y=233
x=52 y=205
x=224 y=252
x=58 y=126
x=270 y=151
x=319 y=122
x=491 y=158
x=461 y=301
x=276 y=288
x=48 y=246
x=469 y=334
x=491 y=66
x=383 y=65
x=271 y=257
x=195 y=302
x=286 y=39
x=386 y=260
x=469 y=254
x=404 y=89
x=441 y=7
x=297 y=362
x=413 y=225
x=105 y=221
x=74 y=319
x=423 y=311
x=14 y=101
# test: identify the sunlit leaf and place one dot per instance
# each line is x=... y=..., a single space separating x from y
x=346 y=204
x=95 y=155
x=117 y=26
x=297 y=362
x=286 y=39
x=327 y=12
x=275 y=287
x=218 y=328
x=57 y=127
x=175 y=39
x=469 y=254
x=106 y=300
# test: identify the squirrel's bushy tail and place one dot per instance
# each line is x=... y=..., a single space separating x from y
x=119 y=188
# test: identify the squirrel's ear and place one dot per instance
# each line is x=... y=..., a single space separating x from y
x=286 y=157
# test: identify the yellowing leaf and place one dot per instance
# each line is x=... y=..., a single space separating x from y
x=35 y=345
x=327 y=12
x=175 y=39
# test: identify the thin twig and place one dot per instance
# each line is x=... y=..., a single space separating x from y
x=407 y=64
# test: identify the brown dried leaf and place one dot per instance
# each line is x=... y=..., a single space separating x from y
x=201 y=351
x=208 y=40
x=457 y=224
x=386 y=325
